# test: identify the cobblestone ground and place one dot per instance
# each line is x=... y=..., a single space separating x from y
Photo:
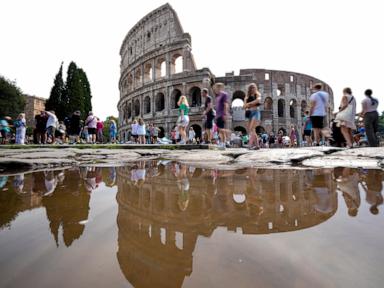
x=28 y=159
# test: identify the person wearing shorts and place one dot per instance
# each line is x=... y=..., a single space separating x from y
x=183 y=120
x=307 y=125
x=319 y=104
x=222 y=108
x=91 y=123
x=209 y=115
x=251 y=105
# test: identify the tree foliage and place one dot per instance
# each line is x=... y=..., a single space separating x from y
x=381 y=123
x=74 y=94
x=56 y=101
x=107 y=123
x=12 y=101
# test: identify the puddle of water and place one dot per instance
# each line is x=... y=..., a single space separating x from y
x=164 y=224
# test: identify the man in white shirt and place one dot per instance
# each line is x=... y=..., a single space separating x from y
x=52 y=123
x=319 y=104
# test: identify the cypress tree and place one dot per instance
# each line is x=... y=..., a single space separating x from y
x=56 y=101
x=87 y=95
x=74 y=92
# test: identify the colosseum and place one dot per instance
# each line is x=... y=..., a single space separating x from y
x=157 y=67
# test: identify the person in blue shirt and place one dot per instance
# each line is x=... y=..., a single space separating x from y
x=307 y=125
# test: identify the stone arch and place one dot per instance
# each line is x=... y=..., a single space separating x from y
x=238 y=94
x=238 y=99
x=280 y=108
x=195 y=94
x=160 y=102
x=292 y=108
x=129 y=86
x=136 y=107
x=176 y=94
x=160 y=68
x=197 y=129
x=148 y=72
x=241 y=129
x=161 y=132
x=283 y=130
x=129 y=111
x=280 y=90
x=303 y=107
x=177 y=63
x=138 y=78
x=147 y=105
x=268 y=104
x=260 y=129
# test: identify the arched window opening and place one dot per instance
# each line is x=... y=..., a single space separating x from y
x=195 y=93
x=176 y=94
x=292 y=108
x=147 y=105
x=268 y=104
x=160 y=102
x=280 y=108
x=137 y=107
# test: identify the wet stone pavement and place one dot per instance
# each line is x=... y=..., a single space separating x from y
x=162 y=223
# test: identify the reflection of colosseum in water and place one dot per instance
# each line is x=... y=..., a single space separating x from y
x=157 y=67
x=160 y=219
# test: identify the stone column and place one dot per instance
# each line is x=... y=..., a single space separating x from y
x=168 y=65
x=153 y=63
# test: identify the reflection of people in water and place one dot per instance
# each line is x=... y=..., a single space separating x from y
x=67 y=206
x=322 y=192
x=90 y=179
x=3 y=181
x=50 y=182
x=180 y=172
x=373 y=188
x=18 y=183
x=348 y=183
x=111 y=180
x=138 y=174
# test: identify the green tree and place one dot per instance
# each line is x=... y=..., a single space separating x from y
x=74 y=91
x=107 y=123
x=381 y=123
x=87 y=95
x=12 y=101
x=56 y=100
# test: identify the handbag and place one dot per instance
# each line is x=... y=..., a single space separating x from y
x=247 y=113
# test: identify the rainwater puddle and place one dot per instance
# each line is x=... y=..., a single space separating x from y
x=164 y=224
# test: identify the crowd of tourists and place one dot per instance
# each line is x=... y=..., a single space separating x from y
x=344 y=130
x=49 y=130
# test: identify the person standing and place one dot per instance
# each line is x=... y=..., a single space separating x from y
x=20 y=125
x=99 y=128
x=40 y=127
x=112 y=131
x=75 y=126
x=155 y=134
x=91 y=123
x=293 y=137
x=183 y=119
x=222 y=110
x=371 y=117
x=307 y=127
x=345 y=118
x=252 y=113
x=61 y=132
x=191 y=135
x=134 y=131
x=52 y=123
x=141 y=131
x=319 y=104
x=209 y=115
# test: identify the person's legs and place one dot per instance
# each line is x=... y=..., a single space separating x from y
x=347 y=135
x=369 y=130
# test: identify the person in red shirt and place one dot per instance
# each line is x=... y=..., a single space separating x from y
x=99 y=128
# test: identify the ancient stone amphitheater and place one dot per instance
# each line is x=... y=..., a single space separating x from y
x=157 y=67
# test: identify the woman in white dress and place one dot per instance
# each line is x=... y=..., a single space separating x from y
x=21 y=129
x=345 y=118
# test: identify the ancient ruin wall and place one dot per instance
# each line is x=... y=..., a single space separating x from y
x=150 y=83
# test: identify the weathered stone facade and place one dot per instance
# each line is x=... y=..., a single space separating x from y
x=33 y=106
x=150 y=83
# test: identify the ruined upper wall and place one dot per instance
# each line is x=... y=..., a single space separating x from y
x=155 y=30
